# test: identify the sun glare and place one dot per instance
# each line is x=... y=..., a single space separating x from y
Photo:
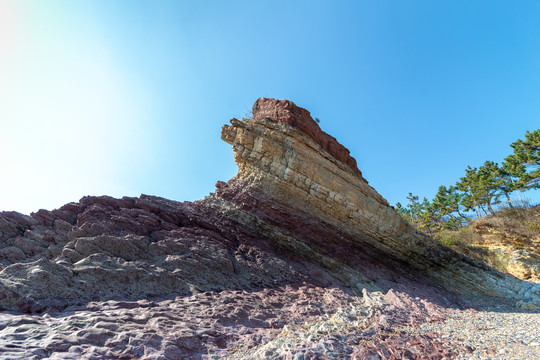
x=66 y=119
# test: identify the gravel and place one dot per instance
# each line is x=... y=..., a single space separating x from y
x=491 y=332
x=487 y=328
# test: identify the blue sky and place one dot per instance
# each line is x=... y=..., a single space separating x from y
x=128 y=97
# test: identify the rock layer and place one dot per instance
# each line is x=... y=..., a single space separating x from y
x=294 y=246
x=277 y=157
x=135 y=248
x=286 y=112
x=524 y=265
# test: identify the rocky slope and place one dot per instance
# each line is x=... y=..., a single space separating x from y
x=509 y=240
x=297 y=243
x=312 y=173
x=514 y=235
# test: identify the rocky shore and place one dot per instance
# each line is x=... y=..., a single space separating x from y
x=297 y=257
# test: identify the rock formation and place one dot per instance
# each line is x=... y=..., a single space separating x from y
x=298 y=240
x=524 y=265
x=514 y=235
x=283 y=154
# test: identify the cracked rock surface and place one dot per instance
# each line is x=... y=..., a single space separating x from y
x=295 y=257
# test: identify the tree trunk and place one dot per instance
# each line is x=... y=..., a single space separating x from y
x=484 y=210
x=459 y=213
x=490 y=209
x=509 y=201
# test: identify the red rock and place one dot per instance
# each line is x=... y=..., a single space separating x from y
x=286 y=112
x=153 y=278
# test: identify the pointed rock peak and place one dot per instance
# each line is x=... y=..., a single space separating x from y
x=287 y=112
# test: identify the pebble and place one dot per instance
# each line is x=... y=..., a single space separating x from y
x=502 y=333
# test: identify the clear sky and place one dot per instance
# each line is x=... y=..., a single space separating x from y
x=128 y=97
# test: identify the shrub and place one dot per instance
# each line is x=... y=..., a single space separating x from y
x=467 y=242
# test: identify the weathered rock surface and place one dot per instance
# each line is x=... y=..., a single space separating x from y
x=524 y=265
x=514 y=233
x=286 y=112
x=278 y=159
x=136 y=248
x=296 y=245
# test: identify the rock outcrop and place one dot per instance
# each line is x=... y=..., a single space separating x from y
x=297 y=241
x=514 y=235
x=524 y=265
x=277 y=157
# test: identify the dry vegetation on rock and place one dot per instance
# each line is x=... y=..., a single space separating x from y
x=509 y=241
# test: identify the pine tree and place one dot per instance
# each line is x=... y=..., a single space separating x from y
x=446 y=202
x=482 y=187
x=469 y=185
x=509 y=185
x=491 y=180
x=524 y=163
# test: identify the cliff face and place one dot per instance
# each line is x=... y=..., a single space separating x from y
x=298 y=234
x=283 y=154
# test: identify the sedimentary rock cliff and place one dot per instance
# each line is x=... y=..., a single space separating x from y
x=283 y=154
x=296 y=238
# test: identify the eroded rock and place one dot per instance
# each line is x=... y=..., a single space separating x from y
x=278 y=155
x=524 y=265
x=297 y=246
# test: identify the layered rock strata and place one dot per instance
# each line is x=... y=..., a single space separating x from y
x=297 y=246
x=278 y=157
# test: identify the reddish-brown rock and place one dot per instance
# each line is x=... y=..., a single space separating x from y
x=286 y=112
x=295 y=257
